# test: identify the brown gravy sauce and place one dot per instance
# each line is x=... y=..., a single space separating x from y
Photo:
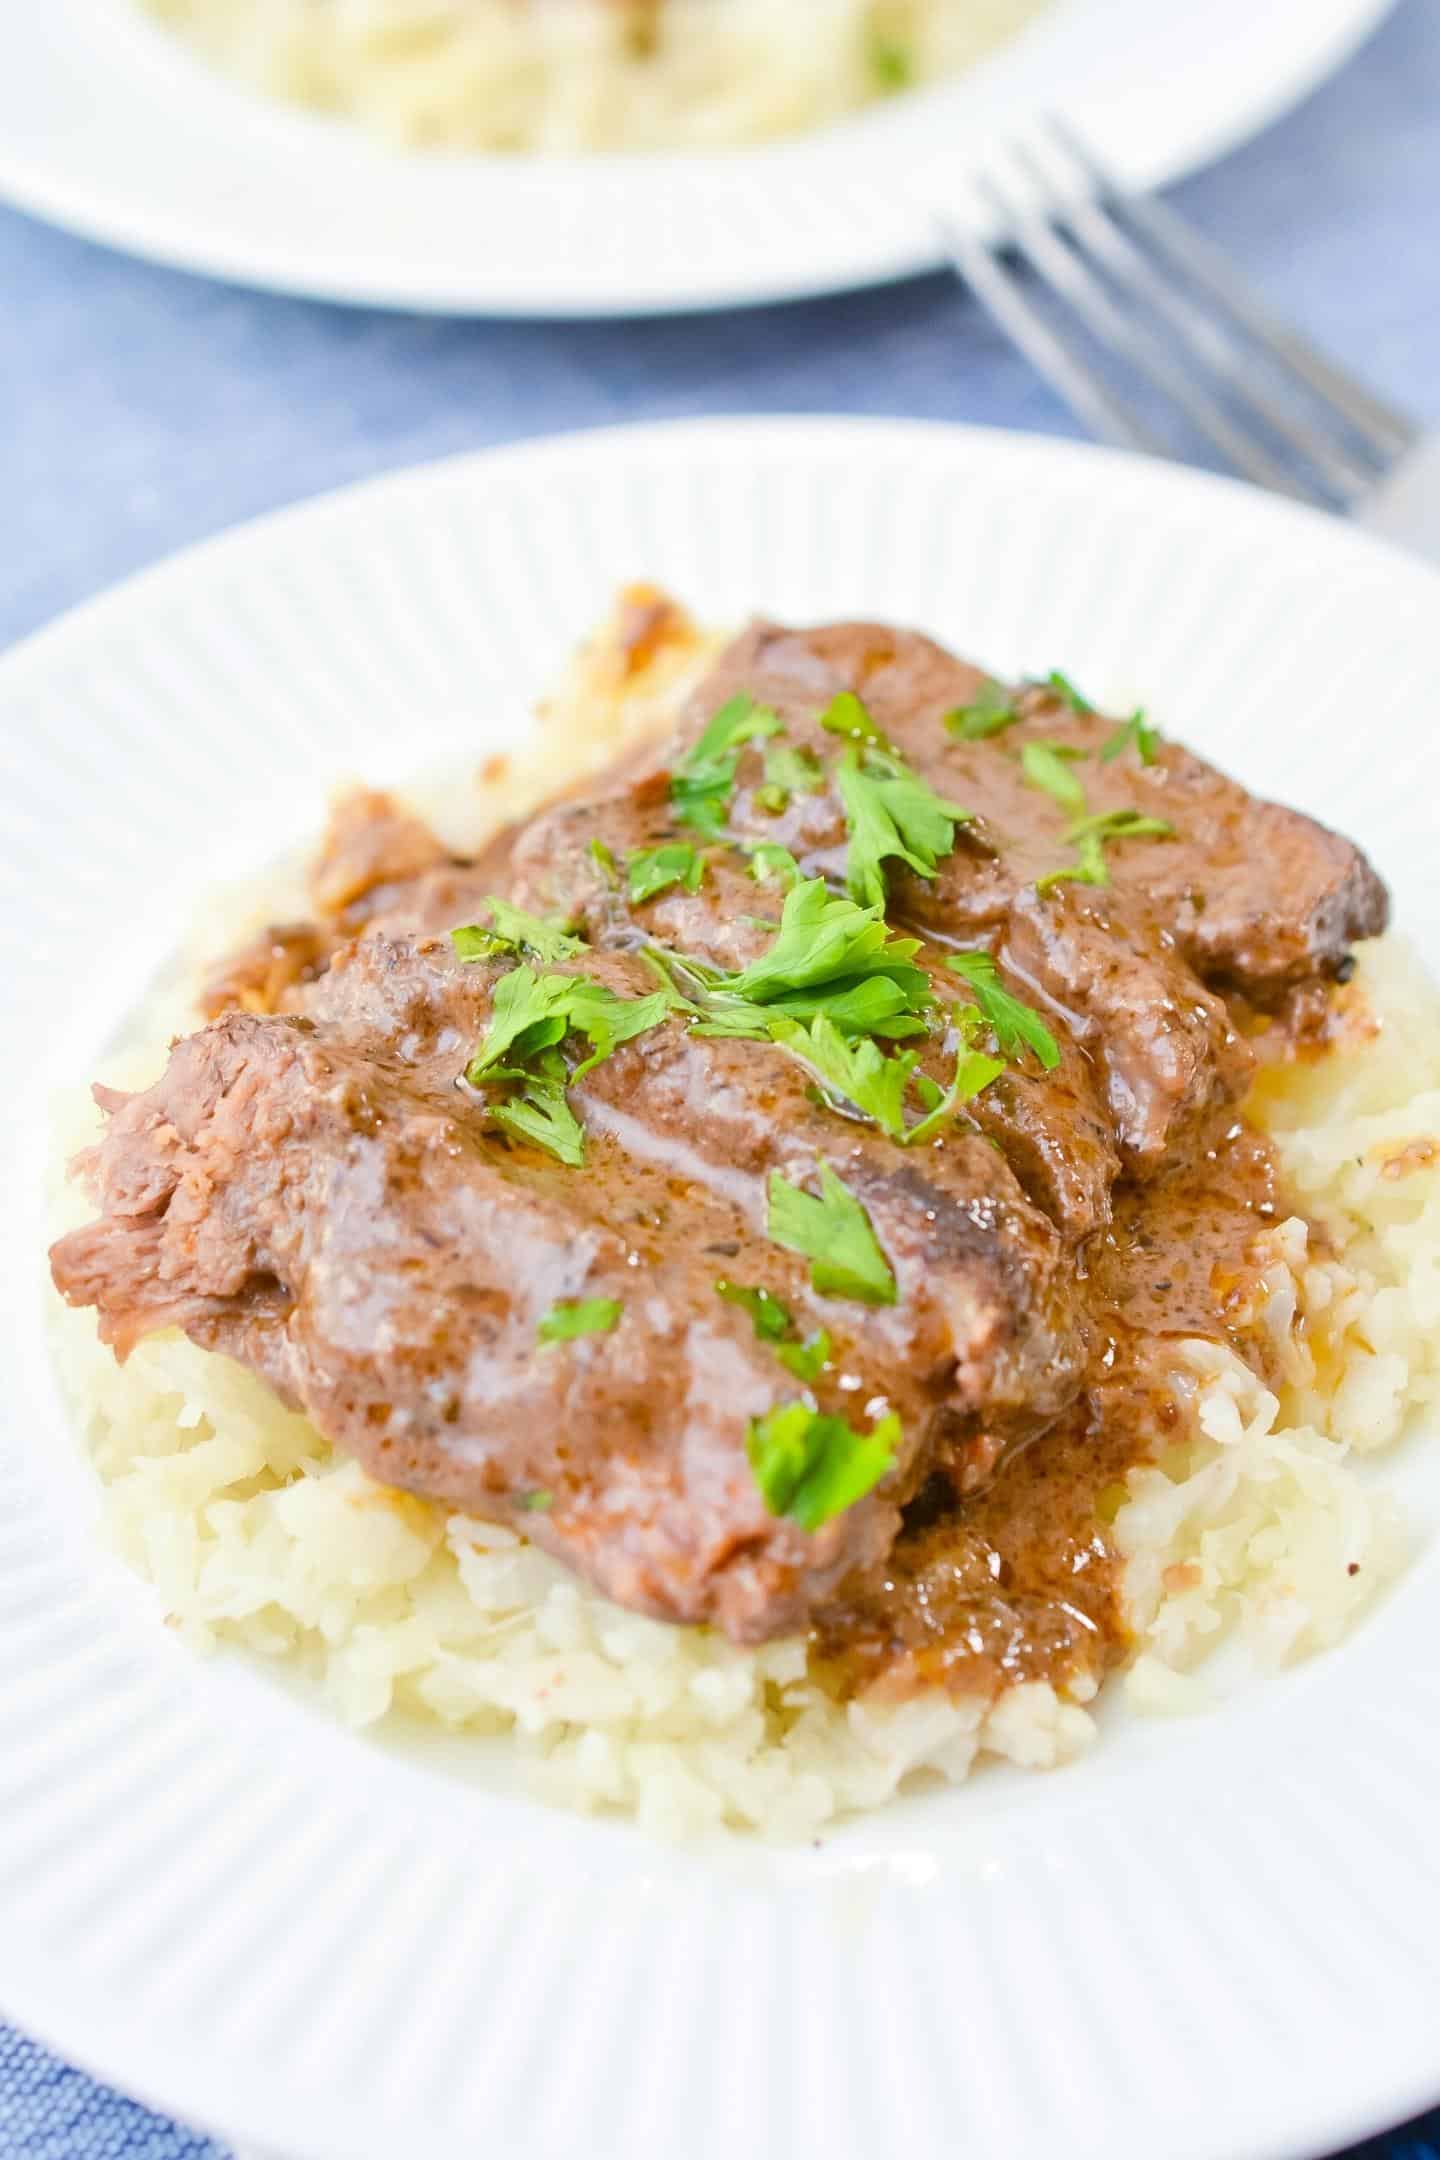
x=1022 y=1581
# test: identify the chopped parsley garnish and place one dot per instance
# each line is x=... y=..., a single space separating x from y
x=1046 y=765
x=578 y=1316
x=603 y=858
x=513 y=931
x=769 y=860
x=858 y=1072
x=1137 y=730
x=991 y=711
x=833 y=1231
x=849 y=716
x=703 y=782
x=538 y=1502
x=1091 y=835
x=651 y=872
x=1062 y=687
x=1012 y=1023
x=824 y=940
x=797 y=772
x=892 y=814
x=530 y=1017
x=828 y=956
x=812 y=1467
x=774 y=1324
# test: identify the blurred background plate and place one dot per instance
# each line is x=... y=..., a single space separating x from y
x=109 y=127
x=1210 y=1939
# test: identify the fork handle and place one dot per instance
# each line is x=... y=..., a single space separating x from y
x=1405 y=507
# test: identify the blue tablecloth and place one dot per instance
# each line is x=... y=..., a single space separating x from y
x=142 y=410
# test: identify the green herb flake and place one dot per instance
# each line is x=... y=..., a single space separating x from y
x=656 y=869
x=1091 y=836
x=892 y=814
x=1046 y=765
x=1127 y=824
x=811 y=1467
x=798 y=772
x=833 y=1232
x=538 y=1502
x=512 y=931
x=1012 y=1023
x=1062 y=687
x=991 y=711
x=703 y=782
x=579 y=1316
x=1136 y=731
x=530 y=1017
x=808 y=1359
x=603 y=858
x=769 y=860
x=774 y=1324
x=849 y=716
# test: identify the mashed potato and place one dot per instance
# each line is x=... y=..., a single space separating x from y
x=1258 y=1529
x=566 y=75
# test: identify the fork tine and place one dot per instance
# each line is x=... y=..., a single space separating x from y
x=1092 y=222
x=1384 y=431
x=1078 y=383
x=1072 y=278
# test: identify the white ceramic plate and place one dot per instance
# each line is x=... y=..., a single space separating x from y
x=1210 y=1940
x=108 y=126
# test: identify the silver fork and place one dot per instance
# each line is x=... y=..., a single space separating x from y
x=1097 y=285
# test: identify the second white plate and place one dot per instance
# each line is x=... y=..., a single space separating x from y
x=107 y=125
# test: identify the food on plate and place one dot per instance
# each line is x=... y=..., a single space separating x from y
x=564 y=75
x=859 y=1201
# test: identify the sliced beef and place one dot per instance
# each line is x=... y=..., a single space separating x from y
x=311 y=1189
x=314 y=1196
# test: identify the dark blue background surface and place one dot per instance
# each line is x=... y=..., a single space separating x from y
x=143 y=409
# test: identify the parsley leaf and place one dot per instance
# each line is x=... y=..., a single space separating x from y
x=824 y=942
x=798 y=772
x=528 y=1013
x=1122 y=825
x=603 y=858
x=892 y=813
x=609 y=1019
x=1046 y=765
x=653 y=870
x=530 y=1016
x=833 y=1232
x=538 y=1502
x=1012 y=1023
x=514 y=931
x=848 y=715
x=1137 y=730
x=771 y=1316
x=812 y=1467
x=1089 y=868
x=579 y=1316
x=704 y=780
x=775 y=1325
x=1092 y=835
x=539 y=1112
x=1062 y=687
x=857 y=1071
x=991 y=711
x=768 y=859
